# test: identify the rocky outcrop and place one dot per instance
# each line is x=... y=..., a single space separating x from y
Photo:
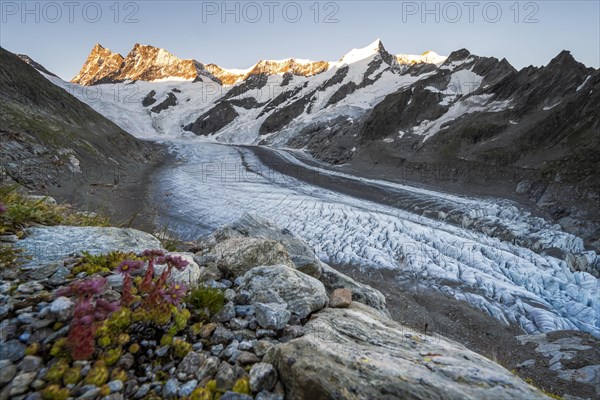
x=356 y=353
x=213 y=120
x=49 y=244
x=170 y=101
x=149 y=99
x=275 y=337
x=300 y=253
x=574 y=357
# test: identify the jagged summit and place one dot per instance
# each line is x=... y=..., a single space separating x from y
x=565 y=59
x=100 y=65
x=294 y=66
x=428 y=57
x=149 y=63
x=375 y=48
x=458 y=55
x=143 y=62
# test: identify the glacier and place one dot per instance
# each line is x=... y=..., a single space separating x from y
x=215 y=184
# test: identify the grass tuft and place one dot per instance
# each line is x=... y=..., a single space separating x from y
x=21 y=212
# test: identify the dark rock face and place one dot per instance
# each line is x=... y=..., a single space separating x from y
x=333 y=141
x=280 y=99
x=247 y=103
x=213 y=120
x=149 y=99
x=252 y=83
x=170 y=101
x=35 y=64
x=55 y=144
x=282 y=117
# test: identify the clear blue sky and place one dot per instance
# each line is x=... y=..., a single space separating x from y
x=531 y=33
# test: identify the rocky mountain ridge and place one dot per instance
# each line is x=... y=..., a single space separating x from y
x=148 y=63
x=145 y=63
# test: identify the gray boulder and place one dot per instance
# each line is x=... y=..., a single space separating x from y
x=355 y=353
x=50 y=245
x=263 y=376
x=272 y=315
x=302 y=293
x=238 y=255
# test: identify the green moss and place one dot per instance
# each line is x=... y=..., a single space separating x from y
x=181 y=348
x=22 y=212
x=196 y=328
x=118 y=374
x=55 y=392
x=104 y=390
x=57 y=371
x=134 y=348
x=111 y=356
x=98 y=375
x=59 y=348
x=72 y=376
x=208 y=392
x=166 y=340
x=119 y=322
x=201 y=297
x=123 y=339
x=181 y=318
x=104 y=341
x=10 y=256
x=102 y=263
x=32 y=349
x=242 y=386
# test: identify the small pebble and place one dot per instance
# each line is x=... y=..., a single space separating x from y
x=162 y=351
x=142 y=391
x=186 y=389
x=115 y=386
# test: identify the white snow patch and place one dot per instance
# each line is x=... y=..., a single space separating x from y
x=546 y=108
x=469 y=105
x=583 y=84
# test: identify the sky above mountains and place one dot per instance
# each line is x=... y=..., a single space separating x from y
x=60 y=35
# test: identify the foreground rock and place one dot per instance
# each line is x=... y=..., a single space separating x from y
x=273 y=337
x=357 y=354
x=280 y=284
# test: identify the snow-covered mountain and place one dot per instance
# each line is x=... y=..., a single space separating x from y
x=151 y=64
x=535 y=130
x=170 y=96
